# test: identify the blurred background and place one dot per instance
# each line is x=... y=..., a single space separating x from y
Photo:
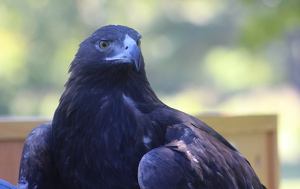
x=211 y=57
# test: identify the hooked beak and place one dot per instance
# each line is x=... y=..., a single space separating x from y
x=129 y=53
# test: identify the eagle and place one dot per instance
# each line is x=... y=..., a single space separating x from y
x=111 y=131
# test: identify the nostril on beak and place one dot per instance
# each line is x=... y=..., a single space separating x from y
x=126 y=47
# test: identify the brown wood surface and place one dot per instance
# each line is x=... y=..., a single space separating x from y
x=254 y=136
x=10 y=157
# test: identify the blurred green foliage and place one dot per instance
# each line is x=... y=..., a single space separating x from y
x=274 y=20
x=243 y=70
x=241 y=57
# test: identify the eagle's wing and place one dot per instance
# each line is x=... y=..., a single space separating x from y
x=37 y=168
x=194 y=156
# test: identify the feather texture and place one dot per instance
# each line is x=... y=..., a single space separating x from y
x=110 y=131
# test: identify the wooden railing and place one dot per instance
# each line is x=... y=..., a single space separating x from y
x=254 y=136
x=13 y=133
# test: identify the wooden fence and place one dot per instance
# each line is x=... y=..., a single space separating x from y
x=254 y=136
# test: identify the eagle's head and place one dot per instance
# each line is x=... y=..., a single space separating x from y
x=112 y=47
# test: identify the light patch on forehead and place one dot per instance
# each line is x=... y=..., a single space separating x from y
x=128 y=41
x=122 y=52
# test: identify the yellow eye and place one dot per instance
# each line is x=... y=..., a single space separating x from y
x=139 y=43
x=103 y=44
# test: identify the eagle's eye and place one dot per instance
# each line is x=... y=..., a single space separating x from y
x=103 y=44
x=139 y=43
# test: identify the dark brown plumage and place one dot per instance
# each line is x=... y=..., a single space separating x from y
x=111 y=131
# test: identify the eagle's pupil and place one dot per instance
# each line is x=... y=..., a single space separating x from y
x=104 y=44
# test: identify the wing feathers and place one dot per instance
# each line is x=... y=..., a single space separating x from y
x=193 y=158
x=37 y=169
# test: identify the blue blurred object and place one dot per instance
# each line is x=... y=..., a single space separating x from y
x=6 y=185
